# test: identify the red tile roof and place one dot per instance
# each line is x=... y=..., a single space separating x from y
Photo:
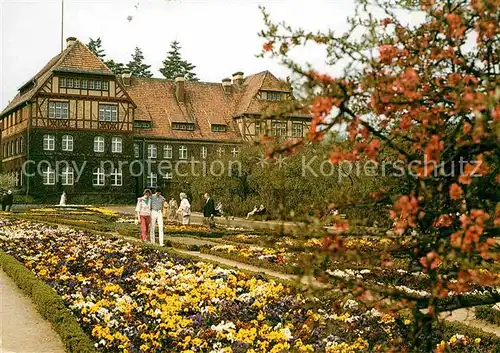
x=76 y=57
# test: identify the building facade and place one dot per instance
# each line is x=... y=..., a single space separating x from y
x=77 y=127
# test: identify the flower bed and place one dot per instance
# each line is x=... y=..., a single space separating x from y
x=131 y=298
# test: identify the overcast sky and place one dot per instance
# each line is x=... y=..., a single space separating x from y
x=218 y=36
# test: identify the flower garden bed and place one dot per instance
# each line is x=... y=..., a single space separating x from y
x=133 y=298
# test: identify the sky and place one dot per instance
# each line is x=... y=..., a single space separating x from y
x=220 y=37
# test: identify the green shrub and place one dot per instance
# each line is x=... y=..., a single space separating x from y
x=487 y=313
x=193 y=247
x=49 y=304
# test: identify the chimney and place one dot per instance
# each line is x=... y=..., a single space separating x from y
x=227 y=85
x=180 y=92
x=70 y=41
x=238 y=78
x=126 y=77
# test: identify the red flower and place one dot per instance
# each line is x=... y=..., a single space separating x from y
x=456 y=192
x=268 y=46
x=387 y=53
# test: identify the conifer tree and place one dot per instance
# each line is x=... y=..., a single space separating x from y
x=95 y=46
x=174 y=65
x=137 y=66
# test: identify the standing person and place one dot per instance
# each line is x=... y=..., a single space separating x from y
x=4 y=195
x=184 y=209
x=9 y=200
x=143 y=210
x=209 y=211
x=157 y=202
x=172 y=210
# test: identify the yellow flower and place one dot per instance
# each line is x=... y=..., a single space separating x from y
x=477 y=340
x=407 y=322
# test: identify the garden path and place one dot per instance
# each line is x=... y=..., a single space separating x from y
x=22 y=328
x=466 y=316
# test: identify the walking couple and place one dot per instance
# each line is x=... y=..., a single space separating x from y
x=149 y=211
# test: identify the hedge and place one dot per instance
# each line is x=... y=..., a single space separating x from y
x=487 y=313
x=450 y=328
x=49 y=304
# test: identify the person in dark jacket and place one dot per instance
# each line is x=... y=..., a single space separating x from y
x=209 y=211
x=9 y=200
x=3 y=195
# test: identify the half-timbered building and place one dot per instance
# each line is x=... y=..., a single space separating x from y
x=77 y=127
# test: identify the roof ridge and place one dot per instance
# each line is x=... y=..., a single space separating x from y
x=259 y=86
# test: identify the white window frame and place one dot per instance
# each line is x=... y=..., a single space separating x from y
x=99 y=144
x=67 y=143
x=137 y=150
x=220 y=151
x=204 y=152
x=117 y=177
x=49 y=142
x=116 y=145
x=167 y=152
x=168 y=176
x=59 y=110
x=152 y=180
x=235 y=151
x=67 y=176
x=183 y=152
x=108 y=112
x=152 y=151
x=278 y=128
x=48 y=175
x=98 y=177
x=297 y=129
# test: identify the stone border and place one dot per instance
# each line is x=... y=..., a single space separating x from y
x=49 y=304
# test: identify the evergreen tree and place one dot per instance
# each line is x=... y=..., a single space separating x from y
x=174 y=65
x=95 y=47
x=116 y=67
x=137 y=66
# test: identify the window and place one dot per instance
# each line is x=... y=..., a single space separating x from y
x=98 y=85
x=48 y=175
x=258 y=128
x=137 y=150
x=91 y=84
x=278 y=128
x=183 y=152
x=98 y=177
x=62 y=82
x=204 y=152
x=16 y=178
x=168 y=176
x=116 y=177
x=67 y=143
x=142 y=124
x=219 y=128
x=84 y=84
x=67 y=176
x=151 y=151
x=105 y=85
x=183 y=126
x=116 y=145
x=98 y=144
x=235 y=151
x=58 y=110
x=220 y=152
x=167 y=152
x=152 y=180
x=21 y=144
x=49 y=142
x=69 y=83
x=76 y=83
x=271 y=95
x=108 y=112
x=297 y=130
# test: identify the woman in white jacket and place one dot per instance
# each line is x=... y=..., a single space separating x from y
x=184 y=209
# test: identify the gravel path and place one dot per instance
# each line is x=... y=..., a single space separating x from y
x=22 y=328
x=466 y=316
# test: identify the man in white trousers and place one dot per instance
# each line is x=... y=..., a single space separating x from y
x=157 y=201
